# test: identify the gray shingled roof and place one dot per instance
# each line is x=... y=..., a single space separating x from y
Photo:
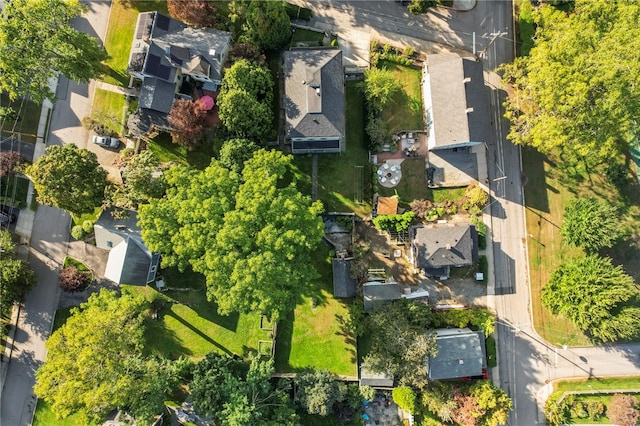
x=157 y=95
x=438 y=246
x=451 y=97
x=143 y=120
x=343 y=284
x=461 y=353
x=314 y=93
x=379 y=292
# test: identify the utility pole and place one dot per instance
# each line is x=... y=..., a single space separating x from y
x=483 y=52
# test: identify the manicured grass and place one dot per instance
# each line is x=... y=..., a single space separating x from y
x=92 y=216
x=27 y=127
x=445 y=194
x=302 y=37
x=549 y=190
x=122 y=24
x=631 y=382
x=413 y=185
x=13 y=191
x=314 y=334
x=45 y=417
x=492 y=360
x=166 y=151
x=338 y=183
x=108 y=108
x=405 y=110
x=189 y=325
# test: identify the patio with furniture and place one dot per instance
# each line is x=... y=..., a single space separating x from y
x=389 y=175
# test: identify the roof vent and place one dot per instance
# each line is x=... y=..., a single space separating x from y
x=318 y=91
x=212 y=52
x=304 y=82
x=467 y=80
x=460 y=361
x=469 y=110
x=448 y=246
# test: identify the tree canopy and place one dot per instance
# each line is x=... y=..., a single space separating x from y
x=11 y=162
x=267 y=24
x=318 y=390
x=380 y=86
x=186 y=119
x=623 y=410
x=596 y=296
x=95 y=362
x=36 y=41
x=400 y=340
x=194 y=12
x=251 y=236
x=591 y=224
x=235 y=152
x=244 y=115
x=142 y=180
x=237 y=394
x=577 y=91
x=251 y=77
x=69 y=178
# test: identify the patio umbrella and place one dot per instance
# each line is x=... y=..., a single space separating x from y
x=207 y=102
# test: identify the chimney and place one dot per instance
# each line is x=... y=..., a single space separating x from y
x=448 y=246
x=469 y=110
x=467 y=80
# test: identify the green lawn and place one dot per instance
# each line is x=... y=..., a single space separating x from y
x=413 y=185
x=313 y=335
x=166 y=151
x=343 y=177
x=45 y=417
x=108 y=108
x=122 y=24
x=29 y=113
x=13 y=191
x=189 y=325
x=444 y=194
x=405 y=111
x=307 y=38
x=550 y=188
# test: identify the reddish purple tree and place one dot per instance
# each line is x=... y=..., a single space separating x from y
x=73 y=280
x=186 y=119
x=10 y=162
x=194 y=12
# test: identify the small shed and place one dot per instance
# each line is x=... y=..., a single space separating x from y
x=375 y=380
x=377 y=292
x=343 y=284
x=387 y=205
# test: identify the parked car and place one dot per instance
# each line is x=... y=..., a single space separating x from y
x=4 y=219
x=106 y=142
x=9 y=212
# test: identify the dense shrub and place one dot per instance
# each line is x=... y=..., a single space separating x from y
x=77 y=232
x=405 y=397
x=394 y=222
x=595 y=409
x=87 y=226
x=623 y=410
x=73 y=280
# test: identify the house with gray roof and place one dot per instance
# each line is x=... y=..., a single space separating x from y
x=457 y=117
x=376 y=293
x=460 y=353
x=314 y=100
x=164 y=53
x=437 y=248
x=130 y=261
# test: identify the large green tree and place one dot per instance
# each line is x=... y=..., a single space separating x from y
x=596 y=296
x=400 y=340
x=591 y=224
x=267 y=24
x=235 y=152
x=318 y=390
x=380 y=85
x=244 y=115
x=69 y=178
x=251 y=235
x=251 y=77
x=95 y=362
x=577 y=90
x=37 y=40
x=142 y=180
x=237 y=394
